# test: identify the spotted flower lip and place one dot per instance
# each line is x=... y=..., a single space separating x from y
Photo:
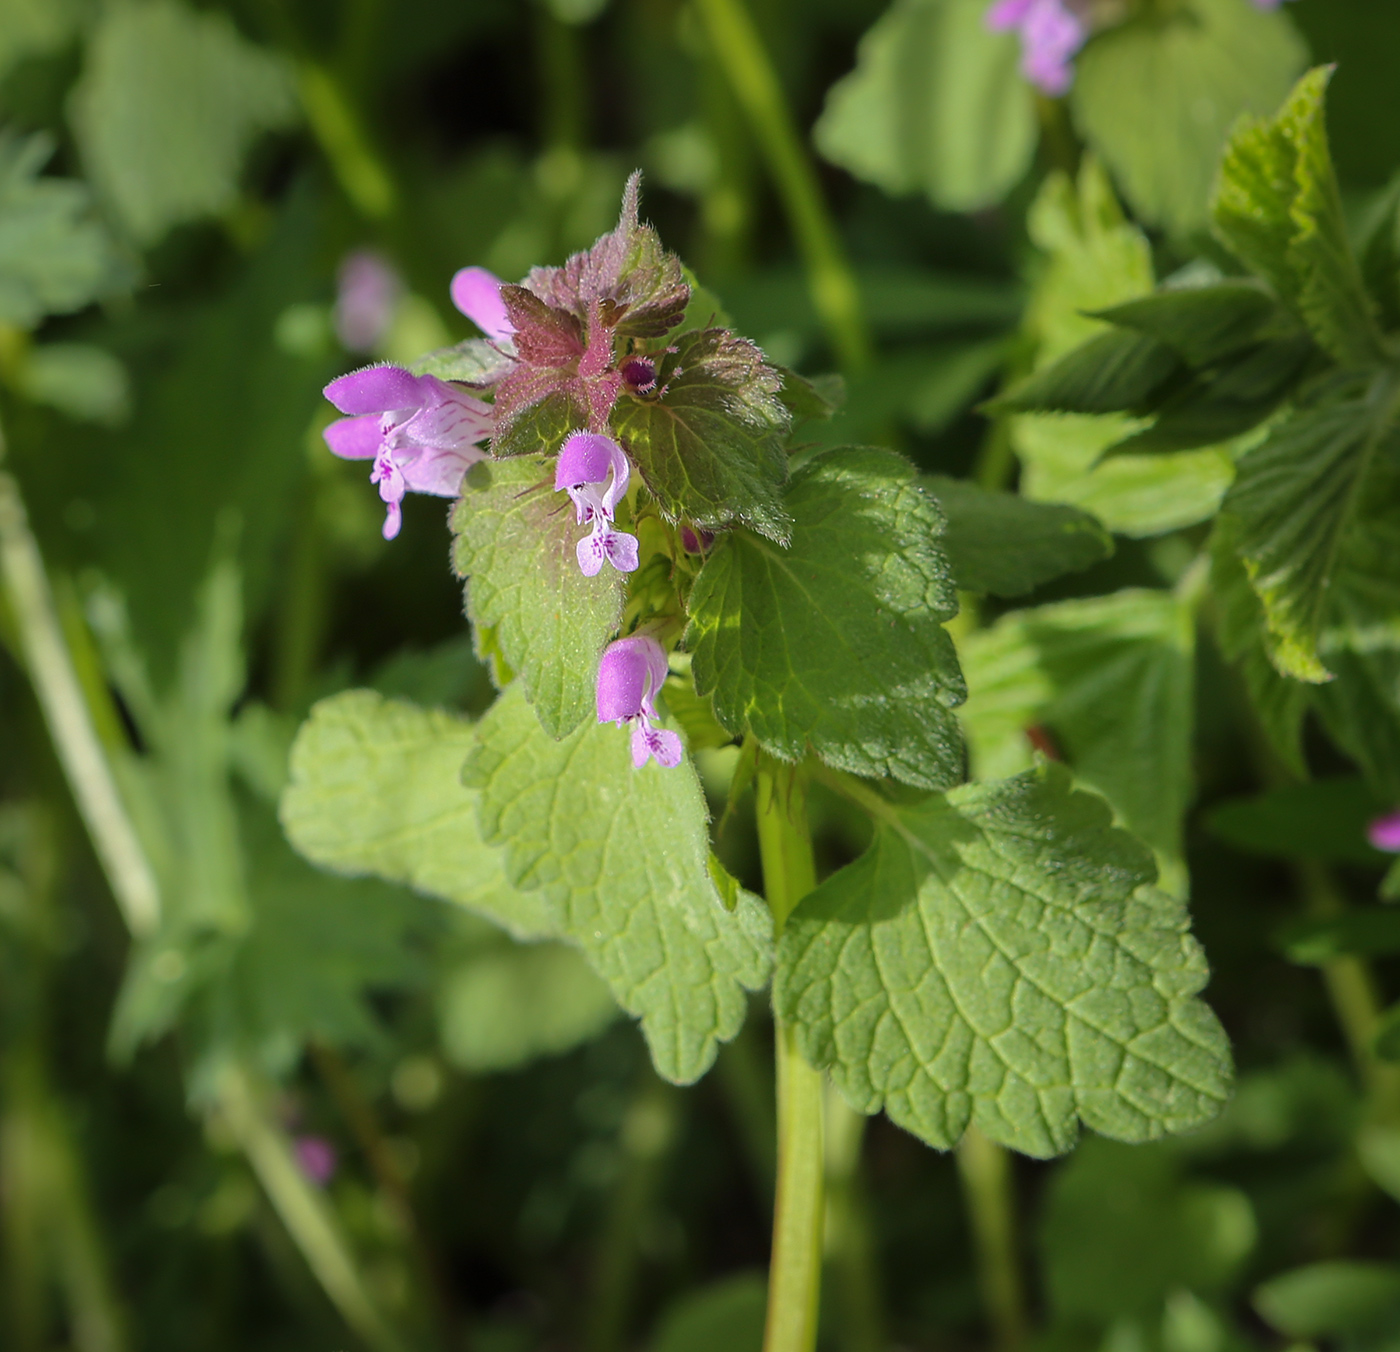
x=422 y=433
x=1384 y=833
x=594 y=470
x=1051 y=34
x=630 y=673
x=477 y=294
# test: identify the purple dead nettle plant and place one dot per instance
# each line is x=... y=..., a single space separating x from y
x=565 y=339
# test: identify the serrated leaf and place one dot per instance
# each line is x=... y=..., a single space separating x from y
x=1116 y=371
x=819 y=397
x=1278 y=207
x=516 y=546
x=997 y=957
x=54 y=255
x=1110 y=678
x=1202 y=324
x=1006 y=545
x=639 y=284
x=900 y=119
x=474 y=361
x=836 y=644
x=168 y=102
x=710 y=445
x=1156 y=97
x=620 y=857
x=1291 y=505
x=376 y=788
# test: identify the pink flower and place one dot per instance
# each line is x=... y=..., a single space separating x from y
x=421 y=432
x=477 y=294
x=629 y=675
x=367 y=294
x=317 y=1158
x=1384 y=833
x=594 y=471
x=1050 y=36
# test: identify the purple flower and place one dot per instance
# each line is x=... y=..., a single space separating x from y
x=367 y=294
x=1384 y=833
x=594 y=472
x=477 y=294
x=629 y=675
x=317 y=1158
x=421 y=433
x=1050 y=35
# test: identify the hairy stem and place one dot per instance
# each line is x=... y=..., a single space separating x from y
x=835 y=296
x=985 y=1169
x=795 y=1268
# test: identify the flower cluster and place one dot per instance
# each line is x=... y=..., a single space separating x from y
x=423 y=433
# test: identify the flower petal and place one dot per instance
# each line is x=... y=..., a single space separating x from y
x=585 y=458
x=590 y=555
x=620 y=548
x=376 y=389
x=439 y=472
x=477 y=294
x=355 y=438
x=1384 y=833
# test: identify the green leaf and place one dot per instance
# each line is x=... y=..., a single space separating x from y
x=1360 y=638
x=1277 y=205
x=836 y=644
x=620 y=858
x=168 y=102
x=820 y=397
x=376 y=788
x=1371 y=933
x=87 y=383
x=516 y=546
x=935 y=104
x=1003 y=544
x=1096 y=260
x=997 y=957
x=54 y=255
x=709 y=446
x=1324 y=819
x=1124 y=1227
x=1291 y=505
x=1111 y=679
x=502 y=1005
x=474 y=361
x=30 y=28
x=1157 y=96
x=1280 y=702
x=1203 y=324
x=725 y=1314
x=1117 y=371
x=1330 y=1299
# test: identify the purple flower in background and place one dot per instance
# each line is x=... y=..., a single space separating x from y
x=317 y=1158
x=368 y=291
x=1384 y=833
x=421 y=433
x=1050 y=35
x=594 y=472
x=477 y=294
x=629 y=675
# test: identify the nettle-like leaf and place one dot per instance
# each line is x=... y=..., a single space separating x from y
x=836 y=644
x=1292 y=504
x=473 y=361
x=1110 y=679
x=998 y=956
x=620 y=857
x=516 y=546
x=54 y=255
x=1278 y=207
x=1007 y=545
x=710 y=444
x=639 y=286
x=376 y=789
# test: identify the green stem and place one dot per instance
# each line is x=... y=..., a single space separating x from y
x=849 y=1241
x=336 y=126
x=985 y=1169
x=795 y=1268
x=835 y=296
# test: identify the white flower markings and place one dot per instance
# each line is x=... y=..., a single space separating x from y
x=421 y=432
x=630 y=673
x=593 y=470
